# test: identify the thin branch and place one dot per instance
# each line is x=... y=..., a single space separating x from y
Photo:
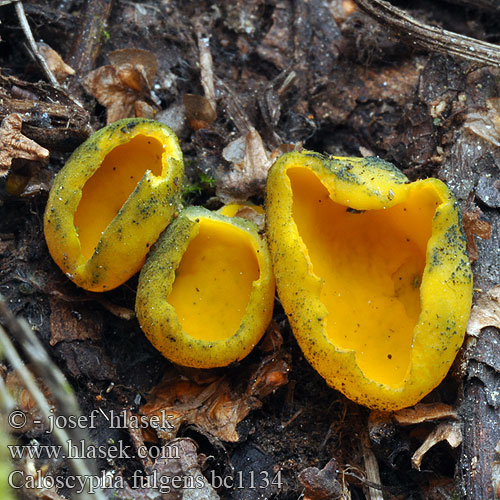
x=32 y=44
x=206 y=64
x=431 y=37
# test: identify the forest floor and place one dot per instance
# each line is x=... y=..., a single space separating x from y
x=240 y=82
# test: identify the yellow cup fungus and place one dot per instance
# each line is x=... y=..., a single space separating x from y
x=372 y=272
x=111 y=201
x=206 y=293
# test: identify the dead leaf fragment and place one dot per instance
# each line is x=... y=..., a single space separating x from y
x=486 y=123
x=219 y=406
x=424 y=412
x=13 y=144
x=124 y=86
x=144 y=61
x=200 y=113
x=474 y=225
x=55 y=62
x=247 y=177
x=485 y=312
x=443 y=432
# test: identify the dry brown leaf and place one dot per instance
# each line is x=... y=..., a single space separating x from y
x=219 y=406
x=447 y=431
x=144 y=110
x=424 y=412
x=486 y=123
x=474 y=225
x=55 y=62
x=247 y=177
x=144 y=61
x=200 y=112
x=69 y=322
x=485 y=312
x=124 y=86
x=13 y=144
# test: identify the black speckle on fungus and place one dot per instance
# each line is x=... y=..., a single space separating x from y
x=313 y=154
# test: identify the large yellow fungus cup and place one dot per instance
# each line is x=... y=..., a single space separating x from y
x=372 y=272
x=111 y=201
x=206 y=293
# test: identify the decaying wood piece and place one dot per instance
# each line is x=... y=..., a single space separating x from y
x=50 y=116
x=431 y=37
x=480 y=413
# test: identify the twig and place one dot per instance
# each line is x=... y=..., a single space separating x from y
x=431 y=37
x=86 y=47
x=21 y=15
x=206 y=64
x=292 y=419
x=54 y=379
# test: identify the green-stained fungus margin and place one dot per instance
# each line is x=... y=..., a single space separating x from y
x=372 y=272
x=206 y=293
x=111 y=201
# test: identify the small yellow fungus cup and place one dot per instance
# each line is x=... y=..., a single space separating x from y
x=372 y=272
x=206 y=293
x=111 y=201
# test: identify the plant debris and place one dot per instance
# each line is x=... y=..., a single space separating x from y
x=200 y=112
x=255 y=74
x=321 y=484
x=14 y=145
x=486 y=122
x=124 y=86
x=485 y=312
x=474 y=225
x=424 y=412
x=446 y=431
x=247 y=176
x=216 y=406
x=55 y=62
